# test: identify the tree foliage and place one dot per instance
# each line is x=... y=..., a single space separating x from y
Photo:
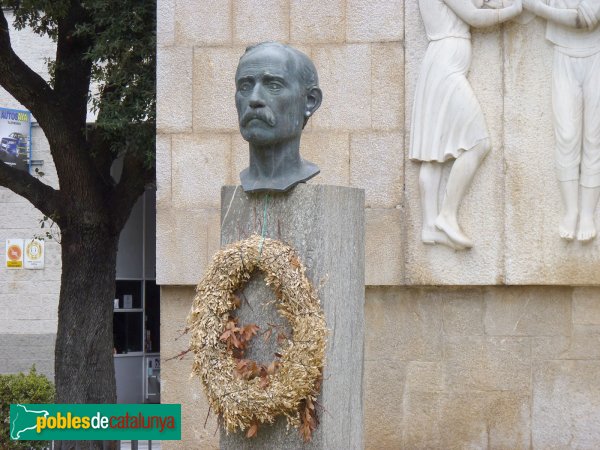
x=105 y=60
x=124 y=63
x=121 y=51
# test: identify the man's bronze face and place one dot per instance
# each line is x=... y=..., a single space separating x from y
x=269 y=97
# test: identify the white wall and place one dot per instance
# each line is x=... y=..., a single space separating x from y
x=28 y=298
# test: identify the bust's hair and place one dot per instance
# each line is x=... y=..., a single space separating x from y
x=304 y=66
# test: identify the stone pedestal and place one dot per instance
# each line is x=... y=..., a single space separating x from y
x=325 y=224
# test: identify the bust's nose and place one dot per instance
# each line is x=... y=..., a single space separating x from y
x=256 y=99
x=258 y=103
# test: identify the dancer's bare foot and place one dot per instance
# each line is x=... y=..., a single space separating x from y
x=587 y=228
x=567 y=226
x=432 y=236
x=452 y=229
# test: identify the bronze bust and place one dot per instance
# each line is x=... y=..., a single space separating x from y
x=277 y=91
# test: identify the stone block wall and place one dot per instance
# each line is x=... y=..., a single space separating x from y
x=465 y=367
x=494 y=367
x=495 y=347
x=356 y=137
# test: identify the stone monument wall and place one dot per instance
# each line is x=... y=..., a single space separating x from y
x=493 y=347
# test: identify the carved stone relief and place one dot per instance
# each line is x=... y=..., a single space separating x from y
x=447 y=120
x=573 y=30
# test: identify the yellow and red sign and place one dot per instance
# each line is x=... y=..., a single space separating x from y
x=14 y=253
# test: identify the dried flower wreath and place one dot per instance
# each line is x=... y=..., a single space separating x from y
x=244 y=397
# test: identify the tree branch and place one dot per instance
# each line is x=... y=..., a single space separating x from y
x=40 y=195
x=136 y=176
x=72 y=73
x=100 y=153
x=30 y=89
x=37 y=96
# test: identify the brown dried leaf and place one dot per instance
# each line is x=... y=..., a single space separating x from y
x=252 y=430
x=305 y=432
x=249 y=331
x=250 y=370
x=241 y=365
x=225 y=335
x=238 y=342
x=264 y=382
x=267 y=334
x=308 y=417
x=232 y=324
x=272 y=367
x=281 y=338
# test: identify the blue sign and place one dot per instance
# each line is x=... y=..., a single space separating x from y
x=15 y=138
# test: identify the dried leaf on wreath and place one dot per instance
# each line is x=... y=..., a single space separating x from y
x=267 y=334
x=281 y=338
x=249 y=331
x=264 y=382
x=272 y=367
x=252 y=430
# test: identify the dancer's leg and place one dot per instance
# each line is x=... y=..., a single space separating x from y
x=590 y=161
x=459 y=181
x=567 y=115
x=569 y=191
x=589 y=200
x=430 y=176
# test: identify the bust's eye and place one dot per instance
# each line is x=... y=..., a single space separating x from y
x=244 y=86
x=274 y=86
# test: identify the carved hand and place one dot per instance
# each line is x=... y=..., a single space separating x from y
x=531 y=5
x=493 y=4
x=510 y=11
x=588 y=14
x=498 y=4
x=518 y=5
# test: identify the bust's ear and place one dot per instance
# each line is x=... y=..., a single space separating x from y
x=313 y=100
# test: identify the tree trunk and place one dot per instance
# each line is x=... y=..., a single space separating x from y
x=84 y=365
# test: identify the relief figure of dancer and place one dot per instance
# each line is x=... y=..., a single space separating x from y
x=447 y=120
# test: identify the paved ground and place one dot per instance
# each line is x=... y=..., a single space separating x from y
x=142 y=445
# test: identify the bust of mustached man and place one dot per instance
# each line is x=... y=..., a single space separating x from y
x=277 y=92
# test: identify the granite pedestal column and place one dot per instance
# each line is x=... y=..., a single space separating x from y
x=325 y=224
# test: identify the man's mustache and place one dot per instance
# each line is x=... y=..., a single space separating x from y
x=264 y=114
